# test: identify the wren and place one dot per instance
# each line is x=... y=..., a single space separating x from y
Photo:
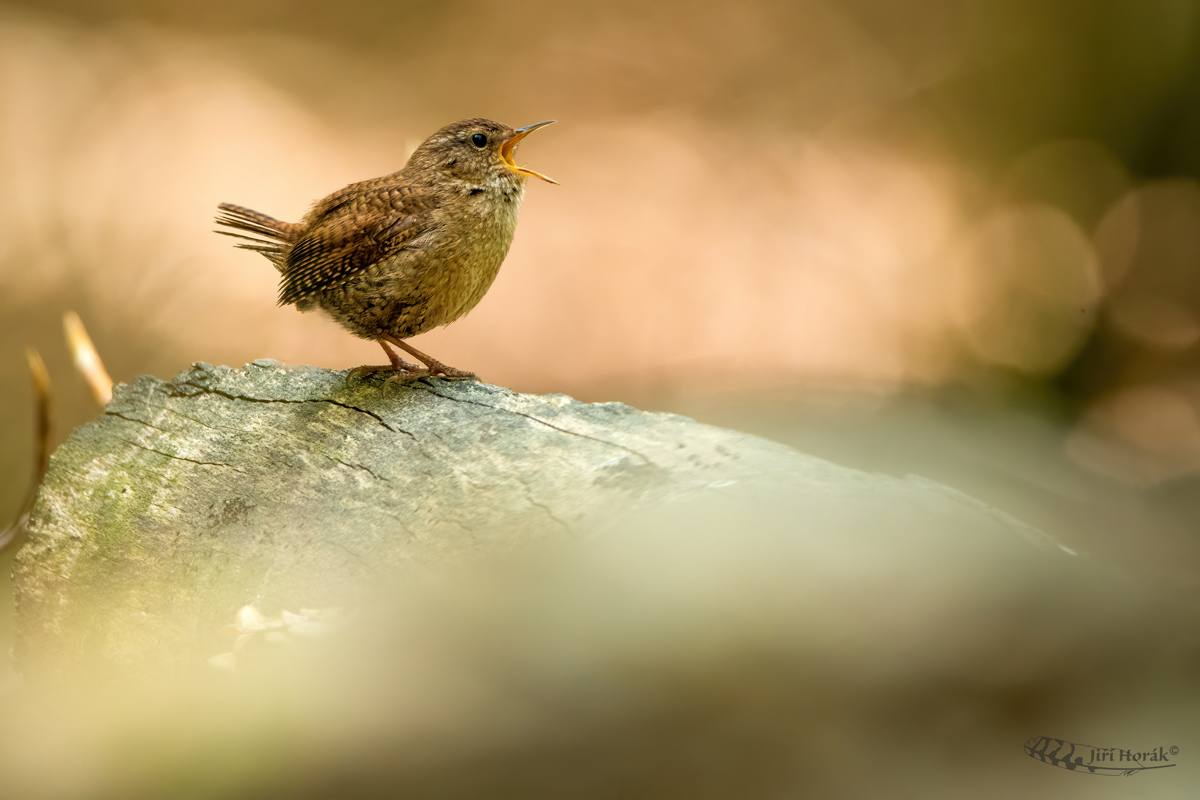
x=396 y=256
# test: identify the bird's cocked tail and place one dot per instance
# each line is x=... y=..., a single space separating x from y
x=272 y=237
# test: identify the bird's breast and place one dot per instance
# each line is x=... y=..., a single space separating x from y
x=475 y=237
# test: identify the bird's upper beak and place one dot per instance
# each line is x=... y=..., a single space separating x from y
x=506 y=149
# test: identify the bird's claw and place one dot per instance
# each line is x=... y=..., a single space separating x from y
x=450 y=372
x=402 y=371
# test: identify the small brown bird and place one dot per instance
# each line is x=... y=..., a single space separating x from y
x=406 y=253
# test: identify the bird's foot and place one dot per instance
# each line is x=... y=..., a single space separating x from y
x=433 y=366
x=401 y=370
x=438 y=368
x=405 y=376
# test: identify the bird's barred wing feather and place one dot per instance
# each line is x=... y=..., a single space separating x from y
x=348 y=232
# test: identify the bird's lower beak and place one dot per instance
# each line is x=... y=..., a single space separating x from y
x=506 y=150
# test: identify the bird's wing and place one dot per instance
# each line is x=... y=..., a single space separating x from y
x=349 y=231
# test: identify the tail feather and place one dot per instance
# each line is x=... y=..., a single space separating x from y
x=270 y=237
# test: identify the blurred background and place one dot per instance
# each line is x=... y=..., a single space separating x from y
x=952 y=237
x=955 y=238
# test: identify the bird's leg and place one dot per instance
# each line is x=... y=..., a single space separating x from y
x=402 y=369
x=435 y=367
x=398 y=364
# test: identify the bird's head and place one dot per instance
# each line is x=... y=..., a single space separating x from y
x=473 y=150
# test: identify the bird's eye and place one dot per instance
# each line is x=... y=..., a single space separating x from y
x=479 y=140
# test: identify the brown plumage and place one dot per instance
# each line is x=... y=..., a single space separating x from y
x=399 y=255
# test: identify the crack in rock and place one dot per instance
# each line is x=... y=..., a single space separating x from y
x=365 y=469
x=184 y=458
x=249 y=399
x=136 y=421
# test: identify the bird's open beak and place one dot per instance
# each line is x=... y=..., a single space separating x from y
x=506 y=149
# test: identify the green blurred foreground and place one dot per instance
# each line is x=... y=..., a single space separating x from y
x=698 y=652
